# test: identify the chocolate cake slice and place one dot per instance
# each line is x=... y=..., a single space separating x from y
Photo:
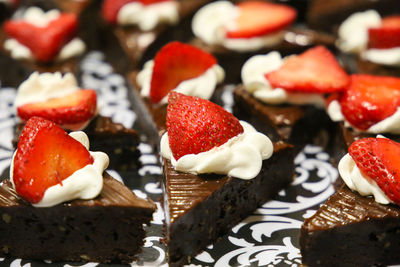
x=298 y=125
x=112 y=138
x=108 y=228
x=201 y=208
x=351 y=230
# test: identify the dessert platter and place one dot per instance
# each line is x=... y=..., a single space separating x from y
x=199 y=133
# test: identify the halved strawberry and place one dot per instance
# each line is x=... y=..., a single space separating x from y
x=45 y=156
x=111 y=8
x=258 y=18
x=77 y=107
x=314 y=71
x=370 y=99
x=197 y=125
x=387 y=35
x=44 y=42
x=378 y=159
x=175 y=63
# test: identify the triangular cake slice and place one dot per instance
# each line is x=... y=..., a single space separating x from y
x=199 y=208
x=351 y=230
x=108 y=228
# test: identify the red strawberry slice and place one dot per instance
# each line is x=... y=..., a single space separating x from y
x=378 y=159
x=314 y=71
x=111 y=8
x=370 y=99
x=77 y=107
x=175 y=63
x=44 y=42
x=197 y=125
x=258 y=18
x=45 y=156
x=387 y=35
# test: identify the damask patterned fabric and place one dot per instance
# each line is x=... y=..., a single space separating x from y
x=269 y=237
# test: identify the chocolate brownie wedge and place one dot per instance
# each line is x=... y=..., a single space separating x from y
x=201 y=208
x=108 y=228
x=351 y=230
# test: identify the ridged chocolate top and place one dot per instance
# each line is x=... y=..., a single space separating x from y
x=185 y=190
x=114 y=193
x=347 y=207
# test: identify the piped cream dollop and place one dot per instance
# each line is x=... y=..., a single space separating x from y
x=44 y=86
x=255 y=82
x=390 y=124
x=240 y=157
x=353 y=38
x=85 y=183
x=202 y=86
x=211 y=22
x=357 y=181
x=40 y=18
x=147 y=17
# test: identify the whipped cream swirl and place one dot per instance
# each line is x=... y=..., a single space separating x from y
x=359 y=182
x=255 y=82
x=353 y=38
x=39 y=18
x=85 y=183
x=202 y=86
x=41 y=87
x=147 y=17
x=211 y=22
x=240 y=157
x=44 y=86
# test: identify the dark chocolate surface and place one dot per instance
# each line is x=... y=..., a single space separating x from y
x=351 y=230
x=274 y=226
x=78 y=230
x=199 y=209
x=297 y=125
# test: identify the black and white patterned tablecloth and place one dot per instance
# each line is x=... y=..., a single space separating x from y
x=269 y=237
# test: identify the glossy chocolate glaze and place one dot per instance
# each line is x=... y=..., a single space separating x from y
x=113 y=194
x=200 y=208
x=295 y=124
x=108 y=228
x=351 y=230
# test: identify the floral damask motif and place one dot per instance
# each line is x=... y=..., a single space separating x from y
x=264 y=255
x=311 y=162
x=266 y=238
